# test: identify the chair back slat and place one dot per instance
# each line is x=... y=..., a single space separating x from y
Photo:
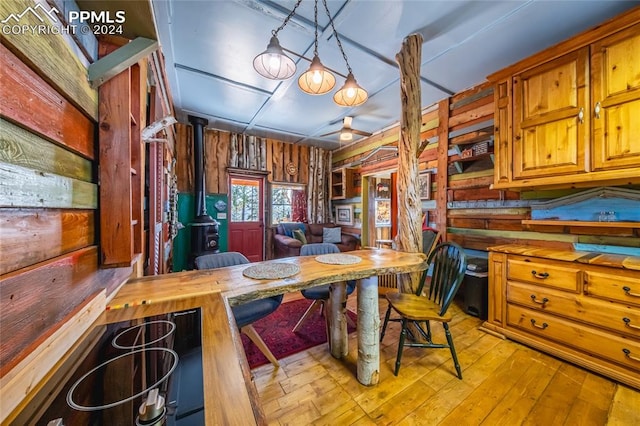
x=220 y=260
x=448 y=264
x=318 y=248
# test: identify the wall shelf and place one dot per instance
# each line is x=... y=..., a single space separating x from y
x=582 y=223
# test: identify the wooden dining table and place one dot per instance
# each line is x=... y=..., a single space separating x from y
x=230 y=396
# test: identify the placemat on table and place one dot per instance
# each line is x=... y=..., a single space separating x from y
x=271 y=271
x=338 y=259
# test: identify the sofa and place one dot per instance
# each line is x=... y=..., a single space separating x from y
x=285 y=245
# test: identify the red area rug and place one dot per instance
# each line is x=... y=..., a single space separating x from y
x=275 y=330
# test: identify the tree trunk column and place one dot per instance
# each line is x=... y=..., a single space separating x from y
x=368 y=332
x=337 y=320
x=409 y=204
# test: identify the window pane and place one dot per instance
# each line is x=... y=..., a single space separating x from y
x=281 y=203
x=245 y=201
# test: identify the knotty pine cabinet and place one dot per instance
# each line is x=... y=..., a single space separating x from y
x=579 y=306
x=567 y=117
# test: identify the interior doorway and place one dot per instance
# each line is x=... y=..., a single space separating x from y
x=380 y=209
x=246 y=216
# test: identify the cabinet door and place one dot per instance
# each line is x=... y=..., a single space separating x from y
x=615 y=63
x=551 y=124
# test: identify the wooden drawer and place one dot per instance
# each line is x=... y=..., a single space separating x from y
x=618 y=318
x=594 y=342
x=617 y=287
x=563 y=276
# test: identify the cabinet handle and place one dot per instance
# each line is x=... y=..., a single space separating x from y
x=541 y=327
x=627 y=353
x=628 y=292
x=581 y=115
x=627 y=322
x=540 y=275
x=597 y=109
x=539 y=302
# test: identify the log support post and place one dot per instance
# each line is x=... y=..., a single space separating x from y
x=337 y=320
x=409 y=204
x=368 y=332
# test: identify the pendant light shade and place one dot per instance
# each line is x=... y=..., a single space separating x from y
x=273 y=63
x=317 y=80
x=351 y=94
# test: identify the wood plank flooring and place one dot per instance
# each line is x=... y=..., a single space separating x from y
x=504 y=383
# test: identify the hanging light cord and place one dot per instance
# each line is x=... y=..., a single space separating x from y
x=335 y=33
x=286 y=20
x=315 y=19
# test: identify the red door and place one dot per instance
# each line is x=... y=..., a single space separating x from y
x=246 y=221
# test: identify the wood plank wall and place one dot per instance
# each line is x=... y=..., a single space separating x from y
x=471 y=213
x=223 y=149
x=49 y=264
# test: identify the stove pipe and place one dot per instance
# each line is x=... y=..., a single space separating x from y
x=204 y=229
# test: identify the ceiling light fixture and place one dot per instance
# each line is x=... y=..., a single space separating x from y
x=274 y=64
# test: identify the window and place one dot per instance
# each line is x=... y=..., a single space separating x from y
x=288 y=204
x=245 y=200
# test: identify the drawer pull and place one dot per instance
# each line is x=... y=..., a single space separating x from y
x=541 y=327
x=539 y=302
x=627 y=291
x=627 y=322
x=541 y=275
x=627 y=353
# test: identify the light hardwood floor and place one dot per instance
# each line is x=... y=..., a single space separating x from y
x=504 y=383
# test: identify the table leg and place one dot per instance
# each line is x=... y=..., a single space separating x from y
x=336 y=314
x=368 y=332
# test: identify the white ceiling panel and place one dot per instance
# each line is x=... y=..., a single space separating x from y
x=209 y=48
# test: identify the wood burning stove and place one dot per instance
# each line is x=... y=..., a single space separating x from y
x=204 y=229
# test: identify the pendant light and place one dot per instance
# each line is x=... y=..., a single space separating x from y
x=351 y=94
x=317 y=80
x=273 y=63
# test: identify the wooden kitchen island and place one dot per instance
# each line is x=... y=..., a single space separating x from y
x=230 y=395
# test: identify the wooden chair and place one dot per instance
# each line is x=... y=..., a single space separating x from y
x=247 y=313
x=448 y=264
x=319 y=294
x=388 y=283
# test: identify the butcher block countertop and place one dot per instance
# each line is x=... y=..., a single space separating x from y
x=620 y=261
x=230 y=396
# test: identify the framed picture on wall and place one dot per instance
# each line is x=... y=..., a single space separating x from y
x=425 y=186
x=344 y=215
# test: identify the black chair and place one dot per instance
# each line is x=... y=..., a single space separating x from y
x=247 y=313
x=319 y=294
x=448 y=264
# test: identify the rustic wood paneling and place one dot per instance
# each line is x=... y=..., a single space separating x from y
x=115 y=172
x=30 y=236
x=184 y=157
x=216 y=161
x=55 y=61
x=34 y=300
x=29 y=100
x=22 y=148
x=22 y=187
